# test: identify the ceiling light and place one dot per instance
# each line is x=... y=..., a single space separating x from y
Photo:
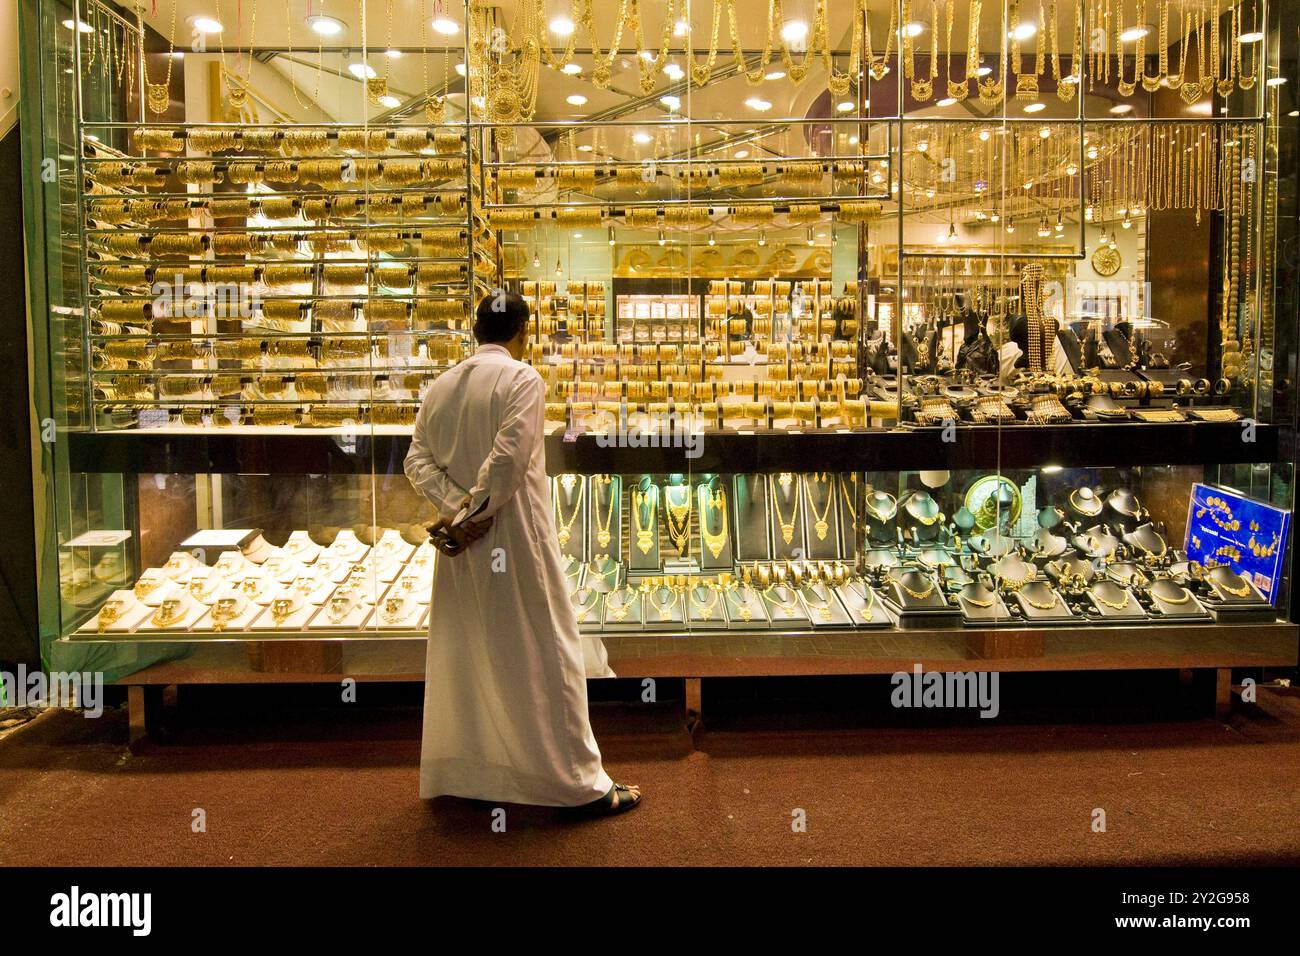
x=672 y=102
x=994 y=217
x=558 y=271
x=1132 y=34
x=647 y=56
x=207 y=25
x=984 y=135
x=762 y=237
x=741 y=154
x=611 y=235
x=952 y=230
x=1034 y=107
x=561 y=26
x=845 y=106
x=810 y=236
x=585 y=147
x=673 y=71
x=1011 y=226
x=1119 y=109
x=325 y=26
x=713 y=240
x=1092 y=152
x=914 y=29
x=576 y=99
x=577 y=234
x=681 y=28
x=446 y=26
x=1294 y=113
x=946 y=101
x=984 y=71
x=537 y=261
x=571 y=69
x=662 y=238
x=754 y=103
x=1045 y=132
x=794 y=31
x=1024 y=31
x=1127 y=223
x=362 y=71
x=1276 y=80
x=1071 y=169
x=640 y=138
x=390 y=101
x=922 y=146
x=853 y=140
x=1254 y=37
x=82 y=26
x=775 y=75
x=460 y=69
x=393 y=54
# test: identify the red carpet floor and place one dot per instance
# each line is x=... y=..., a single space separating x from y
x=343 y=791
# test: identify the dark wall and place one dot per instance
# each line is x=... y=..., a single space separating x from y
x=18 y=624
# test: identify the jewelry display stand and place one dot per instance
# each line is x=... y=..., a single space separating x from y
x=981 y=606
x=824 y=607
x=570 y=496
x=784 y=607
x=643 y=540
x=823 y=535
x=605 y=530
x=624 y=610
x=706 y=608
x=286 y=612
x=713 y=505
x=751 y=524
x=746 y=608
x=126 y=611
x=863 y=604
x=1112 y=603
x=1173 y=602
x=589 y=607
x=1043 y=604
x=787 y=524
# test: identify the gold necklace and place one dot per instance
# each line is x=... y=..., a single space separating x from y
x=108 y=614
x=169 y=612
x=340 y=607
x=848 y=498
x=1114 y=605
x=820 y=525
x=743 y=609
x=976 y=602
x=624 y=605
x=823 y=609
x=144 y=587
x=665 y=610
x=282 y=609
x=706 y=610
x=868 y=597
x=1042 y=607
x=393 y=608
x=158 y=95
x=1243 y=591
x=883 y=514
x=678 y=515
x=717 y=503
x=787 y=527
x=565 y=531
x=584 y=604
x=603 y=535
x=225 y=611
x=1187 y=595
x=643 y=520
x=791 y=606
x=918 y=595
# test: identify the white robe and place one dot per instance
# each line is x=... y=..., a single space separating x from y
x=505 y=699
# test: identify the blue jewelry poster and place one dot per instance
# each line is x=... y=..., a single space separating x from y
x=1227 y=528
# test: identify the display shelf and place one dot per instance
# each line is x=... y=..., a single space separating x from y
x=313 y=451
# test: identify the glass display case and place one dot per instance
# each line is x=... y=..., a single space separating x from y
x=848 y=362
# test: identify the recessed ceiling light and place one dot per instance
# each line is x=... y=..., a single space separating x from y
x=640 y=138
x=1276 y=80
x=1132 y=34
x=393 y=54
x=794 y=31
x=846 y=106
x=914 y=29
x=1254 y=37
x=853 y=141
x=571 y=69
x=446 y=26
x=576 y=99
x=1034 y=107
x=1294 y=113
x=681 y=28
x=647 y=56
x=754 y=103
x=1024 y=31
x=672 y=102
x=325 y=26
x=207 y=25
x=984 y=71
x=561 y=26
x=585 y=147
x=775 y=75
x=362 y=71
x=1119 y=109
x=389 y=101
x=82 y=26
x=946 y=101
x=673 y=71
x=742 y=154
x=460 y=69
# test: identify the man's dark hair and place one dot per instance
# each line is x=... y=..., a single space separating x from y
x=499 y=317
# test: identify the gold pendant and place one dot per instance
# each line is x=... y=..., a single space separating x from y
x=745 y=612
x=821 y=527
x=564 y=538
x=922 y=90
x=787 y=532
x=434 y=109
x=1027 y=86
x=602 y=538
x=158 y=96
x=643 y=542
x=1190 y=92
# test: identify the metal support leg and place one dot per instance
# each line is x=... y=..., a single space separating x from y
x=136 y=711
x=694 y=707
x=1223 y=693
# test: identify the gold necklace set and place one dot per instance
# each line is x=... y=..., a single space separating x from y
x=821 y=525
x=716 y=507
x=603 y=534
x=678 y=516
x=645 y=508
x=787 y=527
x=564 y=527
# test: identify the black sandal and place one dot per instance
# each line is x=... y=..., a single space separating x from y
x=619 y=799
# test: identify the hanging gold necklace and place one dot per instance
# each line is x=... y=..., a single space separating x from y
x=158 y=95
x=626 y=601
x=715 y=541
x=1113 y=605
x=643 y=520
x=787 y=527
x=678 y=514
x=565 y=528
x=169 y=612
x=701 y=73
x=991 y=89
x=665 y=610
x=583 y=601
x=976 y=602
x=821 y=525
x=603 y=535
x=705 y=609
x=879 y=69
x=790 y=606
x=917 y=595
x=1243 y=591
x=1038 y=604
x=868 y=597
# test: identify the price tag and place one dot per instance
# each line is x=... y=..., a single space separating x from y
x=153 y=418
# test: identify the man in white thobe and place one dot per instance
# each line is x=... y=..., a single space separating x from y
x=505 y=702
